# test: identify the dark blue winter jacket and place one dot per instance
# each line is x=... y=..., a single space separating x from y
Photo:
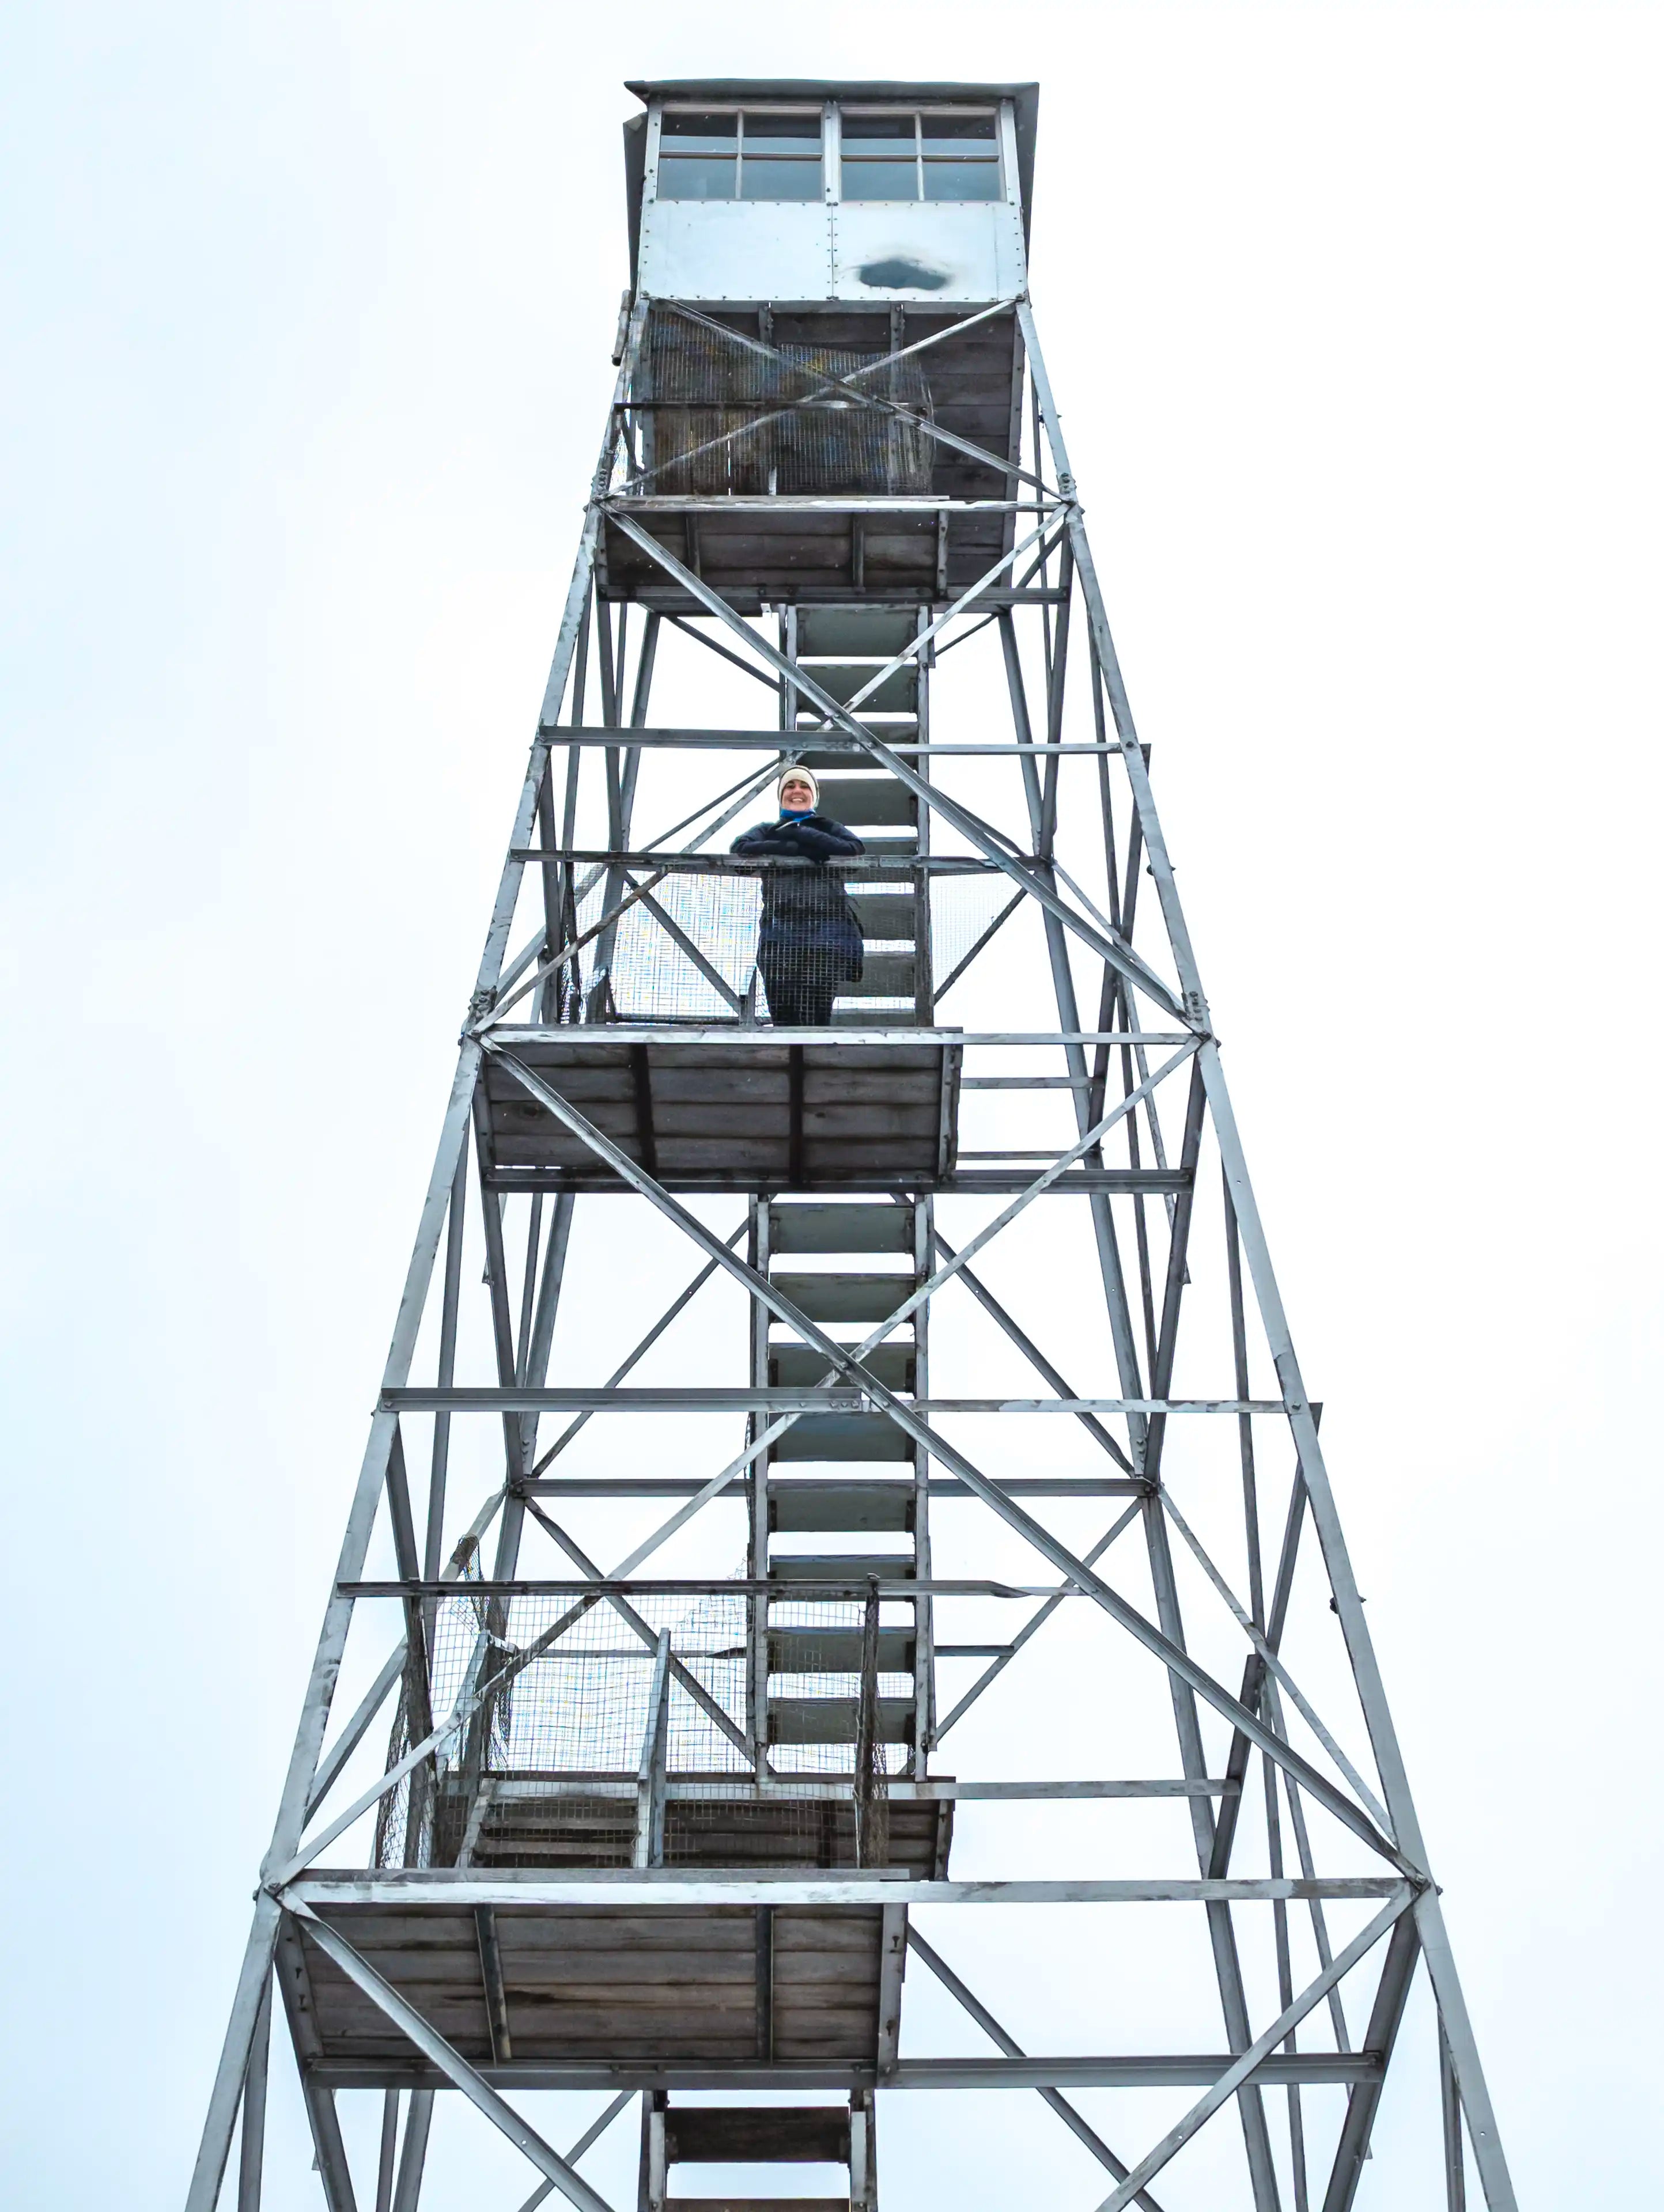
x=804 y=909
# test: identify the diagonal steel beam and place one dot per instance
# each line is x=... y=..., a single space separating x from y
x=1257 y=2051
x=1365 y=2099
x=330 y=1766
x=492 y=1015
x=1301 y=1704
x=832 y=388
x=450 y=2062
x=1031 y=1627
x=626 y=1613
x=646 y=1344
x=915 y=645
x=1025 y=1343
x=591 y=2134
x=1178 y=1661
x=685 y=945
x=954 y=1264
x=1009 y=2043
x=985 y=939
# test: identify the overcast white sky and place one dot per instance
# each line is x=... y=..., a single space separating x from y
x=1353 y=313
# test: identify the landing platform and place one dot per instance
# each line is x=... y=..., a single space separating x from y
x=790 y=1985
x=760 y=1111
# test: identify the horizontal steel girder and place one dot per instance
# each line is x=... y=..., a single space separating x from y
x=1134 y=2071
x=676 y=1888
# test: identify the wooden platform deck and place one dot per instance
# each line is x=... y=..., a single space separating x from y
x=762 y=1112
x=741 y=1985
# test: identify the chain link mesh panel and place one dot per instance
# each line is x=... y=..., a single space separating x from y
x=786 y=944
x=543 y=1770
x=700 y=388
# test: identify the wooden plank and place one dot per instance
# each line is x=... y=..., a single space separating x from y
x=868 y=801
x=871 y=1088
x=841 y=1228
x=832 y=1720
x=855 y=1296
x=829 y=1118
x=674 y=1086
x=841 y=679
x=884 y=976
x=865 y=1437
x=768 y=2134
x=896 y=1060
x=799 y=1366
x=886 y=913
x=653 y=1974
x=847 y=631
x=820 y=1567
x=798 y=1507
x=802 y=1650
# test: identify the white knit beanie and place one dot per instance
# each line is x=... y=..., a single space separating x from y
x=797 y=775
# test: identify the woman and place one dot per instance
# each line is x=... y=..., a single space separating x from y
x=808 y=943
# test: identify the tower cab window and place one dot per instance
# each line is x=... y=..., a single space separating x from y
x=899 y=155
x=745 y=154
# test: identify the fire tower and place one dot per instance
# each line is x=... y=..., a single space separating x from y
x=952 y=1536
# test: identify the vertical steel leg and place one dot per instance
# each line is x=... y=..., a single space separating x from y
x=251 y=2151
x=1450 y=2100
x=331 y=2151
x=384 y=2167
x=419 y=2119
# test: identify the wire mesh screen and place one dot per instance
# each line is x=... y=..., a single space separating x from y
x=702 y=387
x=686 y=951
x=789 y=944
x=554 y=1699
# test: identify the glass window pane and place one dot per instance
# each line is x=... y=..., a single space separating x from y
x=781 y=134
x=698 y=177
x=699 y=133
x=958 y=134
x=875 y=133
x=880 y=180
x=779 y=180
x=962 y=180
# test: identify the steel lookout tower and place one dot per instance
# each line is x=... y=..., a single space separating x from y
x=843 y=1601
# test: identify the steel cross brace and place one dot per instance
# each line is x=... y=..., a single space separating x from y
x=591 y=2134
x=1031 y=1627
x=1178 y=1661
x=1251 y=2060
x=1009 y=2043
x=450 y=2062
x=954 y=1264
x=334 y=1759
x=828 y=388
